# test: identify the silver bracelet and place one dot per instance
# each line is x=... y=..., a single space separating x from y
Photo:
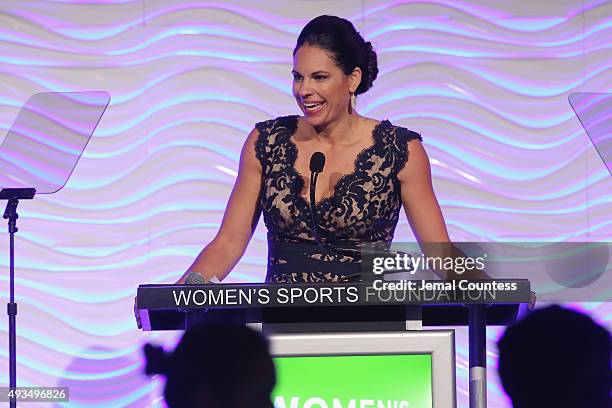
x=194 y=278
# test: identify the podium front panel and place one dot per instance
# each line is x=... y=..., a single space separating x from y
x=398 y=369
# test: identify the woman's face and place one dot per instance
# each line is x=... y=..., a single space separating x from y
x=321 y=89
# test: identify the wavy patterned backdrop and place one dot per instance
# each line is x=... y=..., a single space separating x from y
x=486 y=83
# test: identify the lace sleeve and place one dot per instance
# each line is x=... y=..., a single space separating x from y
x=262 y=146
x=272 y=134
x=403 y=136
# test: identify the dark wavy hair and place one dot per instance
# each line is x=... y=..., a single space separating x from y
x=348 y=48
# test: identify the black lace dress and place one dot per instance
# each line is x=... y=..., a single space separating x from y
x=363 y=210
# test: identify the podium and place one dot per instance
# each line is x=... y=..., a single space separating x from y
x=342 y=319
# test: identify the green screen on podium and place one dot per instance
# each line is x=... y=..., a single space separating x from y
x=354 y=381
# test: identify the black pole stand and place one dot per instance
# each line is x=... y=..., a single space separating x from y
x=13 y=195
x=477 y=327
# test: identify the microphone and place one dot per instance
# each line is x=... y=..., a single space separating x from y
x=317 y=162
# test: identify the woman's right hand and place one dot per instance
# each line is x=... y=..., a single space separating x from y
x=136 y=314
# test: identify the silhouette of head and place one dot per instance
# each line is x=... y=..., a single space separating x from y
x=215 y=366
x=556 y=357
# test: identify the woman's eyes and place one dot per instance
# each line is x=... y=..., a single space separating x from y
x=316 y=77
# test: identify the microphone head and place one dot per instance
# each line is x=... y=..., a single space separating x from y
x=317 y=162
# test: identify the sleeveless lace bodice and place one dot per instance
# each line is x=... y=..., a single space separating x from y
x=363 y=209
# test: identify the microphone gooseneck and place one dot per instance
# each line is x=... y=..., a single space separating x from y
x=317 y=163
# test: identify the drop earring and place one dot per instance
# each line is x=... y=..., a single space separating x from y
x=353 y=101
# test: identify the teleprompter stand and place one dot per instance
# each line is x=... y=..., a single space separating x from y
x=37 y=156
x=13 y=195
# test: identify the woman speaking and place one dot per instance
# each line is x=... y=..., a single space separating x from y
x=365 y=170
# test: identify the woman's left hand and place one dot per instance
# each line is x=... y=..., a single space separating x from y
x=532 y=301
